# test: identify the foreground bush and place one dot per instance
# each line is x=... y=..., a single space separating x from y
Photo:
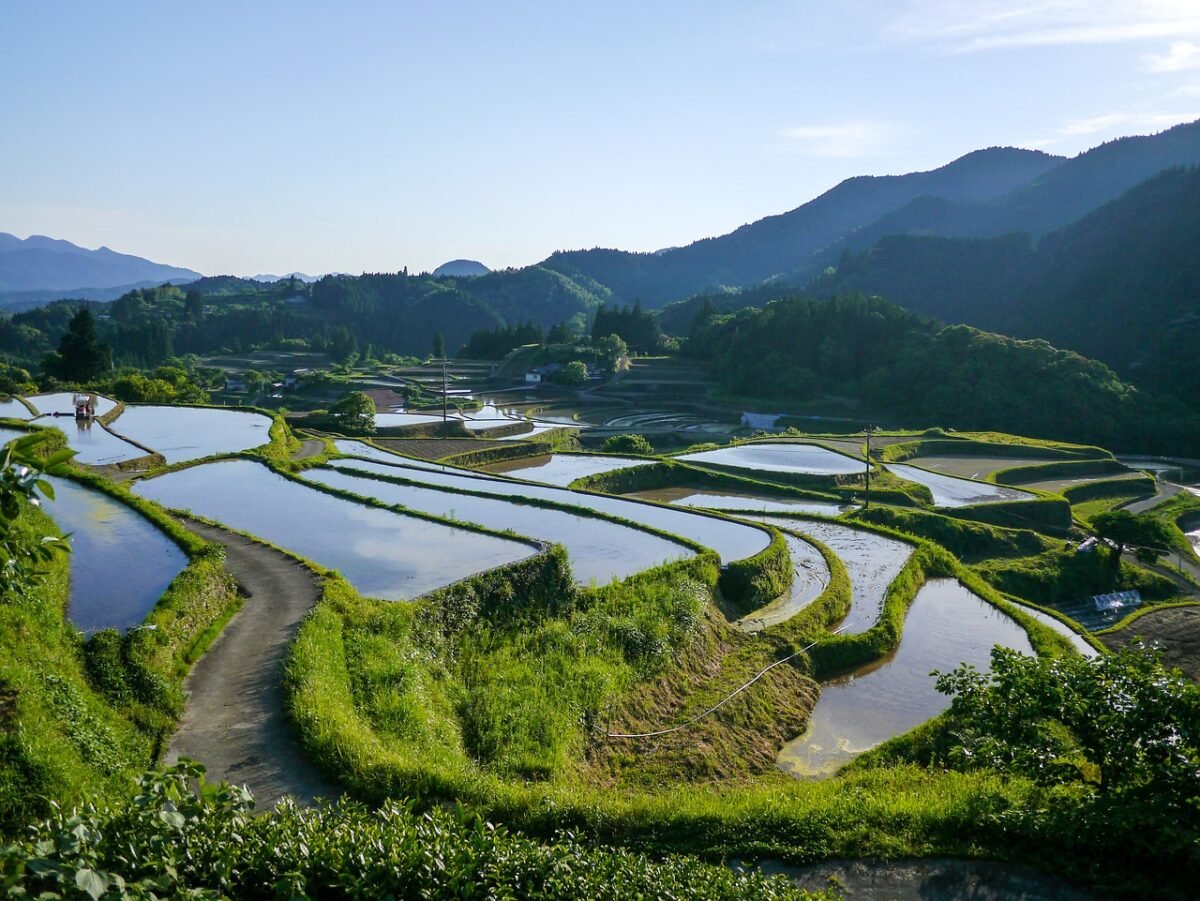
x=181 y=837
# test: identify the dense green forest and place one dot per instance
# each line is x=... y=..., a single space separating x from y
x=915 y=369
x=1122 y=285
x=396 y=313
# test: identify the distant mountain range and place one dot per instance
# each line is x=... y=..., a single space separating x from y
x=983 y=194
x=299 y=276
x=41 y=267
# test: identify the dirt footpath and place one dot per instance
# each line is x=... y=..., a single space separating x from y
x=234 y=720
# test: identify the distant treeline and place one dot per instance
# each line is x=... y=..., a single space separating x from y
x=916 y=370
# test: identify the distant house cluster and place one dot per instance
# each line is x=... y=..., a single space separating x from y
x=237 y=384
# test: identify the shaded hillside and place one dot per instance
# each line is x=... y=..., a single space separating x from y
x=917 y=371
x=1056 y=198
x=780 y=244
x=1122 y=285
x=39 y=264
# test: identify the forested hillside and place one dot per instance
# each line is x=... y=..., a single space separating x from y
x=783 y=243
x=1122 y=285
x=395 y=313
x=916 y=370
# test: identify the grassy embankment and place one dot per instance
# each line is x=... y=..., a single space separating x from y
x=81 y=718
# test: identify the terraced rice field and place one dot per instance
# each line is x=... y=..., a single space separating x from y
x=950 y=491
x=383 y=554
x=734 y=501
x=600 y=550
x=563 y=469
x=967 y=467
x=63 y=403
x=120 y=562
x=731 y=540
x=808 y=459
x=181 y=434
x=872 y=561
x=946 y=626
x=810 y=575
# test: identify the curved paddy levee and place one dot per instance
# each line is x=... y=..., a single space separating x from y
x=563 y=469
x=810 y=576
x=382 y=553
x=731 y=540
x=62 y=403
x=952 y=491
x=11 y=408
x=121 y=563
x=872 y=561
x=807 y=459
x=181 y=434
x=946 y=625
x=733 y=501
x=600 y=551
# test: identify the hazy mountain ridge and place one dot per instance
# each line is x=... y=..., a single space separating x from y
x=783 y=243
x=39 y=264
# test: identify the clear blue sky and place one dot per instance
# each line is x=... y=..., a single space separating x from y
x=270 y=136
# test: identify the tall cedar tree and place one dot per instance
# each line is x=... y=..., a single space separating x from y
x=81 y=357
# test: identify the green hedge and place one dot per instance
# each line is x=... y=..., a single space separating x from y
x=965 y=539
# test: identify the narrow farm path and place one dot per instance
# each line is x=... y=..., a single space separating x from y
x=234 y=720
x=309 y=447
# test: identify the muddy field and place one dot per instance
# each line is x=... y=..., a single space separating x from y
x=1175 y=630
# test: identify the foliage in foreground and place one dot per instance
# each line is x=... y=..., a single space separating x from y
x=1119 y=729
x=180 y=836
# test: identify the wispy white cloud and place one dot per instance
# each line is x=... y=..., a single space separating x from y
x=1182 y=56
x=845 y=140
x=959 y=27
x=1187 y=90
x=1112 y=125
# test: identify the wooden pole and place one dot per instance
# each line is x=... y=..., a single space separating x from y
x=867 y=503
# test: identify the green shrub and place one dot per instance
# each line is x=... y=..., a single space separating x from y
x=628 y=444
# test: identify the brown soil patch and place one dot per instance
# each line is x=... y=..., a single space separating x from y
x=1175 y=631
x=433 y=448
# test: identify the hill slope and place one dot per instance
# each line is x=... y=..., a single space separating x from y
x=1121 y=285
x=783 y=243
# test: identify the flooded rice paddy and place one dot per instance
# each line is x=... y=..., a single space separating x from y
x=563 y=469
x=120 y=562
x=946 y=625
x=951 y=491
x=189 y=433
x=94 y=444
x=1051 y=622
x=809 y=459
x=731 y=540
x=63 y=403
x=600 y=551
x=11 y=408
x=733 y=500
x=810 y=576
x=370 y=452
x=968 y=467
x=872 y=561
x=383 y=554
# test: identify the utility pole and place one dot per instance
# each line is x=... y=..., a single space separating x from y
x=867 y=502
x=444 y=399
